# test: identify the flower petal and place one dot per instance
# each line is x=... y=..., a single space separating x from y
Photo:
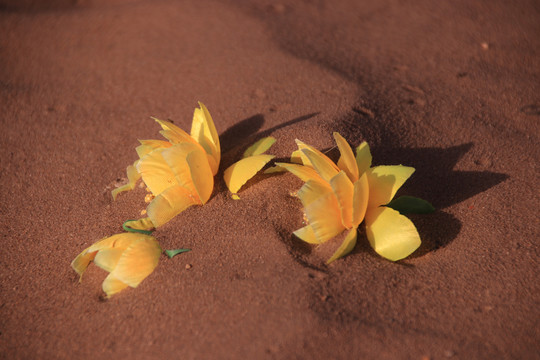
x=346 y=246
x=204 y=131
x=312 y=191
x=360 y=200
x=133 y=176
x=347 y=161
x=344 y=189
x=324 y=166
x=201 y=174
x=241 y=171
x=305 y=173
x=147 y=146
x=391 y=235
x=322 y=210
x=138 y=261
x=155 y=172
x=384 y=182
x=176 y=158
x=168 y=204
x=108 y=258
x=173 y=133
x=111 y=285
x=81 y=262
x=324 y=158
x=307 y=234
x=363 y=158
x=260 y=146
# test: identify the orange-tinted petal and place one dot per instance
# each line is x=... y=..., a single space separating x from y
x=204 y=131
x=155 y=171
x=173 y=133
x=168 y=204
x=138 y=261
x=324 y=166
x=307 y=234
x=344 y=190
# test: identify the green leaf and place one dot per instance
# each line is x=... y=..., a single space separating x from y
x=173 y=253
x=411 y=205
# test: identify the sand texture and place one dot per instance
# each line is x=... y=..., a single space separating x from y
x=451 y=88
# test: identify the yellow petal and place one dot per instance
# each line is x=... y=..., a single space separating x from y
x=347 y=161
x=384 y=182
x=108 y=258
x=173 y=133
x=302 y=146
x=346 y=246
x=322 y=211
x=201 y=175
x=305 y=173
x=259 y=147
x=147 y=146
x=324 y=166
x=177 y=159
x=168 y=204
x=344 y=190
x=274 y=170
x=298 y=157
x=138 y=261
x=391 y=235
x=204 y=132
x=360 y=200
x=81 y=262
x=312 y=191
x=307 y=234
x=133 y=176
x=155 y=171
x=111 y=285
x=241 y=171
x=363 y=158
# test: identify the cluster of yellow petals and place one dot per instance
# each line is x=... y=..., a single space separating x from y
x=178 y=172
x=128 y=257
x=338 y=197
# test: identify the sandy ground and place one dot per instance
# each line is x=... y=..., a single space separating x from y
x=448 y=87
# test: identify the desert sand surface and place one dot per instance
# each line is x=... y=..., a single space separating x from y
x=450 y=88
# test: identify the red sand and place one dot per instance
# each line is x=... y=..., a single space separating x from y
x=451 y=88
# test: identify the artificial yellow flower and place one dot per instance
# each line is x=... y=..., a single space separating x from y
x=128 y=257
x=338 y=197
x=178 y=172
x=252 y=161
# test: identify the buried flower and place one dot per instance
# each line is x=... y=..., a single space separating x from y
x=178 y=172
x=128 y=257
x=338 y=197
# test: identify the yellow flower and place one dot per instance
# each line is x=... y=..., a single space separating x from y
x=252 y=161
x=128 y=257
x=179 y=172
x=338 y=197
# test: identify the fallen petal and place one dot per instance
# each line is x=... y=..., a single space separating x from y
x=240 y=172
x=260 y=146
x=155 y=171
